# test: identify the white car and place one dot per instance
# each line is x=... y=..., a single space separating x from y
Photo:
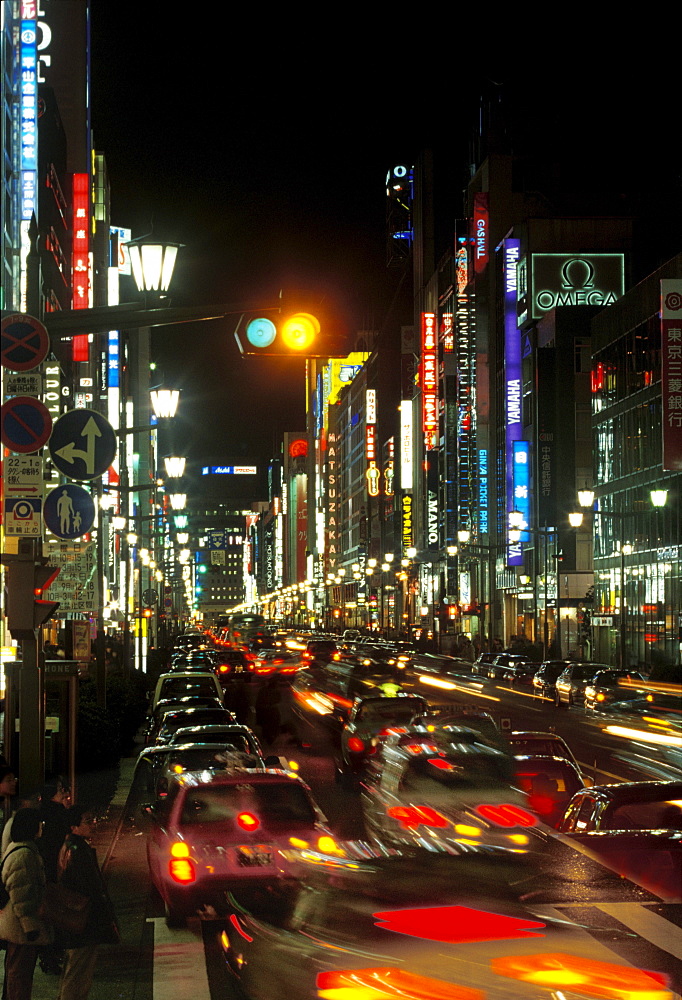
x=177 y=685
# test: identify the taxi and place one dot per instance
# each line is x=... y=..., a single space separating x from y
x=372 y=717
x=215 y=831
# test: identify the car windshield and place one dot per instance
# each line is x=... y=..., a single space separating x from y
x=438 y=779
x=389 y=710
x=662 y=814
x=175 y=720
x=541 y=745
x=204 y=758
x=273 y=805
x=181 y=686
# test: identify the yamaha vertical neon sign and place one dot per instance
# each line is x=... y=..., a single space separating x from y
x=512 y=380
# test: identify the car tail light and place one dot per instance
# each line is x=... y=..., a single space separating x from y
x=379 y=983
x=355 y=744
x=336 y=656
x=179 y=849
x=507 y=815
x=182 y=870
x=247 y=821
x=412 y=817
x=223 y=668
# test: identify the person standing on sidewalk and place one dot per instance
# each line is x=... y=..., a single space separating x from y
x=21 y=926
x=80 y=871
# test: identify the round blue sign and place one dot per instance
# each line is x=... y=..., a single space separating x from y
x=83 y=444
x=69 y=511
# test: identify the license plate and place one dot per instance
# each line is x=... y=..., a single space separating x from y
x=254 y=857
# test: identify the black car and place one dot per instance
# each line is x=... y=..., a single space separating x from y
x=503 y=666
x=319 y=651
x=545 y=677
x=609 y=686
x=569 y=687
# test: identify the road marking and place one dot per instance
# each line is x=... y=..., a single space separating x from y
x=591 y=767
x=179 y=963
x=649 y=925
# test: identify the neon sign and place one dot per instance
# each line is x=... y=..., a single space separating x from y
x=521 y=479
x=429 y=376
x=575 y=280
x=512 y=377
x=406 y=474
x=480 y=227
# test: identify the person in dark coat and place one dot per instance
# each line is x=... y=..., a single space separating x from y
x=21 y=923
x=54 y=803
x=80 y=871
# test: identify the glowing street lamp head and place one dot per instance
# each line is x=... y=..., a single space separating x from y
x=175 y=466
x=178 y=500
x=165 y=402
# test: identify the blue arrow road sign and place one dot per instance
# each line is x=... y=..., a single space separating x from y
x=69 y=511
x=83 y=444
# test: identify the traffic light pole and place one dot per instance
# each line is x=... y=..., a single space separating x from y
x=32 y=713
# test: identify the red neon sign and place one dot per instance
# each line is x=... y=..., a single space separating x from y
x=429 y=379
x=80 y=258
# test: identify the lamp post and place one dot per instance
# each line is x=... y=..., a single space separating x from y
x=586 y=499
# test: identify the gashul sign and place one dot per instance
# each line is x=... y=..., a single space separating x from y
x=429 y=375
x=480 y=226
x=512 y=376
x=671 y=373
x=559 y=279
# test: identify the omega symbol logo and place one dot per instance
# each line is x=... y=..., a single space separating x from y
x=577 y=273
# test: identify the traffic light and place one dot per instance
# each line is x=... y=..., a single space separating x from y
x=26 y=611
x=302 y=325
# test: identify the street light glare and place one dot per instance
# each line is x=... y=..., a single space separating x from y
x=165 y=402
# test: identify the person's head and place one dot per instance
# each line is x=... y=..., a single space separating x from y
x=81 y=820
x=8 y=781
x=57 y=791
x=26 y=825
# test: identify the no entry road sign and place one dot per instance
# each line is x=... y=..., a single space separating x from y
x=25 y=424
x=24 y=342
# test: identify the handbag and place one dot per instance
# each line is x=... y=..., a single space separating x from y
x=66 y=909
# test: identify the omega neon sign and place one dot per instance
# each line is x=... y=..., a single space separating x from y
x=576 y=280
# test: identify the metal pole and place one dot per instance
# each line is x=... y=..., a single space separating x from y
x=621 y=658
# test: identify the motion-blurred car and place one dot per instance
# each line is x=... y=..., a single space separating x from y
x=427 y=925
x=609 y=686
x=231 y=664
x=469 y=716
x=569 y=687
x=318 y=652
x=549 y=784
x=276 y=661
x=211 y=834
x=636 y=827
x=481 y=664
x=502 y=667
x=542 y=744
x=155 y=766
x=545 y=677
x=432 y=665
x=370 y=718
x=419 y=785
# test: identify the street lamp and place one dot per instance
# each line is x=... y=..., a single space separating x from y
x=152 y=262
x=165 y=402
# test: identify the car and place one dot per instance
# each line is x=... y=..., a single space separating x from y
x=544 y=744
x=569 y=687
x=636 y=828
x=609 y=686
x=432 y=924
x=481 y=664
x=216 y=831
x=318 y=652
x=440 y=666
x=231 y=664
x=369 y=719
x=177 y=719
x=240 y=736
x=276 y=661
x=545 y=677
x=520 y=675
x=419 y=783
x=156 y=765
x=503 y=665
x=549 y=783
x=470 y=716
x=169 y=705
x=188 y=684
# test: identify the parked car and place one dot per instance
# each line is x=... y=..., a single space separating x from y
x=184 y=685
x=543 y=744
x=481 y=664
x=636 y=828
x=228 y=830
x=549 y=784
x=545 y=677
x=178 y=718
x=569 y=688
x=609 y=686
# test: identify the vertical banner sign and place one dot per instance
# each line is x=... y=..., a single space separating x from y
x=545 y=481
x=80 y=266
x=406 y=464
x=28 y=81
x=481 y=234
x=671 y=373
x=512 y=377
x=432 y=506
x=301 y=507
x=332 y=525
x=522 y=483
x=429 y=380
x=373 y=472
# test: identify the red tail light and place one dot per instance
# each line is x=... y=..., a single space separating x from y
x=224 y=669
x=247 y=821
x=355 y=744
x=182 y=870
x=507 y=815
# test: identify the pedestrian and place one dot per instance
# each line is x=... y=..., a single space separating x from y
x=23 y=876
x=80 y=872
x=8 y=788
x=54 y=803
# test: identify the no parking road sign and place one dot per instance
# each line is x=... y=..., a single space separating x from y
x=24 y=342
x=69 y=511
x=25 y=424
x=83 y=444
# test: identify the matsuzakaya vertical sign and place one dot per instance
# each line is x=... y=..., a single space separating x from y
x=671 y=373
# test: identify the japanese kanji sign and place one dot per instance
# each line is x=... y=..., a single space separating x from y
x=671 y=373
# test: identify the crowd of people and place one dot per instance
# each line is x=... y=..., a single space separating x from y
x=56 y=908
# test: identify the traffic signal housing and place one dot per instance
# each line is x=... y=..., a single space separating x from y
x=301 y=326
x=26 y=610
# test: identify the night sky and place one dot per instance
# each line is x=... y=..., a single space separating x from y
x=268 y=161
